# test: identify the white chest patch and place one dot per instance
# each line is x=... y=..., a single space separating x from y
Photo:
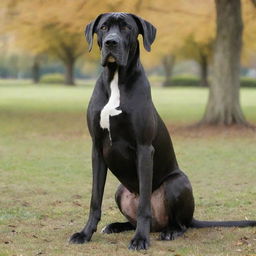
x=110 y=109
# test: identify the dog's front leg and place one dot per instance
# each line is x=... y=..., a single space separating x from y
x=140 y=240
x=99 y=178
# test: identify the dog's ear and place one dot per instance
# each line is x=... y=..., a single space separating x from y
x=147 y=30
x=90 y=30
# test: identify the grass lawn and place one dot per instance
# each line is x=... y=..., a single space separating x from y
x=45 y=174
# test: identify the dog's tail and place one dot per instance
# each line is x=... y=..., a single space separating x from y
x=206 y=224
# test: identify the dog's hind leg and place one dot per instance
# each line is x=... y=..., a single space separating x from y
x=180 y=205
x=117 y=227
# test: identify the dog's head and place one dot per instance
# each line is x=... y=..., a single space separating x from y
x=117 y=35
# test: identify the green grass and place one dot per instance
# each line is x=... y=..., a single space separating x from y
x=45 y=174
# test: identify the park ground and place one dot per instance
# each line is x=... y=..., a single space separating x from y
x=45 y=174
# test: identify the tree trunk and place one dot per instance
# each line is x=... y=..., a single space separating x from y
x=36 y=70
x=69 y=72
x=223 y=104
x=168 y=64
x=203 y=70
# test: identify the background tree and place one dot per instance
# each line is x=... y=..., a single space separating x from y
x=201 y=52
x=168 y=62
x=176 y=38
x=223 y=105
x=42 y=32
x=36 y=69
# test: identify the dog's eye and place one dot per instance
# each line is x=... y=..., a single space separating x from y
x=126 y=27
x=104 y=27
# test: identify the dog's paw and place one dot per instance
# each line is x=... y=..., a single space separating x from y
x=111 y=228
x=170 y=235
x=139 y=243
x=106 y=230
x=78 y=238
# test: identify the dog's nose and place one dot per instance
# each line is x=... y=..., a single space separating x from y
x=111 y=43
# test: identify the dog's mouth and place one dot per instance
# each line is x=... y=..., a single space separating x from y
x=111 y=59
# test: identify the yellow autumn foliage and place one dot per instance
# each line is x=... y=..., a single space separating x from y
x=54 y=25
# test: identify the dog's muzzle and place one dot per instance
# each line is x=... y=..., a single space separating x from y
x=112 y=50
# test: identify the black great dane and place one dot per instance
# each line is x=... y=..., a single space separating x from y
x=131 y=140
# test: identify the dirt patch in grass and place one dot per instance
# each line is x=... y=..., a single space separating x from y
x=206 y=131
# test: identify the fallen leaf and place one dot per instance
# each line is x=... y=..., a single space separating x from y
x=26 y=204
x=76 y=196
x=12 y=226
x=39 y=253
x=76 y=203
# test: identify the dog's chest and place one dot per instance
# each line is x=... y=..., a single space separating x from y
x=110 y=109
